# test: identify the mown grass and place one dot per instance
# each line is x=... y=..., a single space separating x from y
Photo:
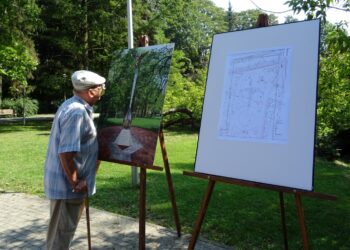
x=246 y=218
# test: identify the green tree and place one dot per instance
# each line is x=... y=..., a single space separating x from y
x=18 y=23
x=334 y=84
x=290 y=19
x=191 y=25
x=247 y=19
x=78 y=35
x=230 y=17
x=184 y=92
x=333 y=113
x=317 y=8
x=187 y=79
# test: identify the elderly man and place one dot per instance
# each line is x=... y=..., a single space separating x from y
x=71 y=160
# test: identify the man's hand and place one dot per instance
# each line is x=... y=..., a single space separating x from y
x=80 y=187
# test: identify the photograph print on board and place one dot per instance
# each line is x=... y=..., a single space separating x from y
x=130 y=110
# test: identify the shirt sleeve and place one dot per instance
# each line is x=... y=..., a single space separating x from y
x=70 y=128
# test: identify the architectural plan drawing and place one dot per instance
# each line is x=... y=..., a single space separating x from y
x=256 y=91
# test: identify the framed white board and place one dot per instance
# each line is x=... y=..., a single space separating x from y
x=258 y=120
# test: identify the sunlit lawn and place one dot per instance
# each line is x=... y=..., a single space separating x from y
x=247 y=218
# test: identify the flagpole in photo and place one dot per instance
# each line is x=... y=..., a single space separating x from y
x=134 y=171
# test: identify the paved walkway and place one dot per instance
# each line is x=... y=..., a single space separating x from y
x=24 y=219
x=41 y=117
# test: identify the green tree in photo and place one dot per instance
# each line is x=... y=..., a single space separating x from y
x=136 y=83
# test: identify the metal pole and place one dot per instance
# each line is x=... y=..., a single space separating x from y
x=134 y=171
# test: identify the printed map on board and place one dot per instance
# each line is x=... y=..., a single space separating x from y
x=255 y=100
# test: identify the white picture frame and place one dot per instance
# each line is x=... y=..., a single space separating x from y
x=240 y=136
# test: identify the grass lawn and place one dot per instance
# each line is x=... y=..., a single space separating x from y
x=247 y=218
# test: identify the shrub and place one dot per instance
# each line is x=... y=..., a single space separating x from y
x=31 y=106
x=7 y=104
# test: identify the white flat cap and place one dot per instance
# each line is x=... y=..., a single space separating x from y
x=84 y=79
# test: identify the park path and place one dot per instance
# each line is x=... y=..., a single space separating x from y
x=24 y=219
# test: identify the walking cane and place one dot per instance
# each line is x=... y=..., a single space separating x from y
x=88 y=219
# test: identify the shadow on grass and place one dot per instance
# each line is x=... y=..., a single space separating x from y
x=30 y=126
x=247 y=218
x=180 y=131
x=182 y=166
x=43 y=134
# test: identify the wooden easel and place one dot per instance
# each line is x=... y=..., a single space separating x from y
x=143 y=42
x=281 y=190
x=142 y=196
x=261 y=22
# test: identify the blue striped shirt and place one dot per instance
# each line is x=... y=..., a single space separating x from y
x=73 y=130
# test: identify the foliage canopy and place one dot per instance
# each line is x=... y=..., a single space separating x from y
x=43 y=41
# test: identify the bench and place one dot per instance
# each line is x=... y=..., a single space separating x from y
x=7 y=112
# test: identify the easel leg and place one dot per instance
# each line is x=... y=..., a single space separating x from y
x=301 y=220
x=142 y=212
x=283 y=218
x=201 y=214
x=170 y=183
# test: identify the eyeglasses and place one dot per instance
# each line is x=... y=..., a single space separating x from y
x=102 y=86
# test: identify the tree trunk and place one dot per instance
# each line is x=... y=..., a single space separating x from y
x=0 y=91
x=24 y=106
x=86 y=35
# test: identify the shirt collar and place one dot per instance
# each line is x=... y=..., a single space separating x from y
x=86 y=105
